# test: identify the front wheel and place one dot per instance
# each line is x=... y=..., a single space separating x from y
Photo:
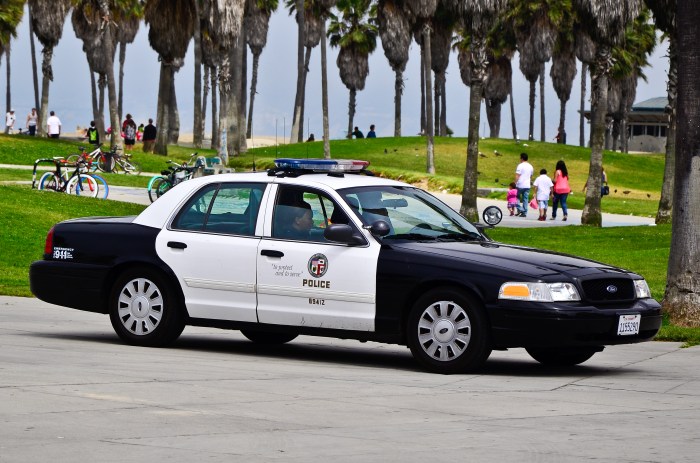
x=448 y=332
x=265 y=337
x=83 y=184
x=157 y=187
x=562 y=356
x=144 y=311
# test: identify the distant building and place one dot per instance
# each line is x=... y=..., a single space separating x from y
x=647 y=124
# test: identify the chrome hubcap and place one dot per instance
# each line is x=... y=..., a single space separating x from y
x=140 y=306
x=444 y=330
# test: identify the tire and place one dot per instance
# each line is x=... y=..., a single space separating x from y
x=562 y=356
x=103 y=188
x=135 y=168
x=144 y=310
x=105 y=163
x=86 y=187
x=48 y=181
x=492 y=215
x=265 y=337
x=157 y=187
x=448 y=332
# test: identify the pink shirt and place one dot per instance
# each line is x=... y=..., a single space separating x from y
x=512 y=196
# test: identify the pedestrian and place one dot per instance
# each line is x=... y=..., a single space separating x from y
x=561 y=190
x=604 y=188
x=139 y=132
x=523 y=175
x=512 y=198
x=32 y=119
x=53 y=125
x=311 y=138
x=543 y=186
x=357 y=133
x=371 y=133
x=129 y=130
x=10 y=119
x=149 y=137
x=93 y=136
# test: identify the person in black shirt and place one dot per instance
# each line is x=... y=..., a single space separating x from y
x=149 y=137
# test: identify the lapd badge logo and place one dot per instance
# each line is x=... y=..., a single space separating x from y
x=318 y=265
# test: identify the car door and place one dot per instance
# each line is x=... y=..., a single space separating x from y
x=305 y=280
x=211 y=245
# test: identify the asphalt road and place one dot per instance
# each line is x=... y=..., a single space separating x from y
x=70 y=391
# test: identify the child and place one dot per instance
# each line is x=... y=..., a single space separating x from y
x=512 y=197
x=544 y=190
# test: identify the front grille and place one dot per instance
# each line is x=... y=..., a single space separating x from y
x=608 y=290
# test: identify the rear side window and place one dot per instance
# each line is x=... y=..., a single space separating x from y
x=228 y=208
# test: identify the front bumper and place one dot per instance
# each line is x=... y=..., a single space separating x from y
x=518 y=324
x=79 y=286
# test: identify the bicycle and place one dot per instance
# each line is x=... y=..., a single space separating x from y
x=161 y=184
x=96 y=159
x=125 y=164
x=77 y=183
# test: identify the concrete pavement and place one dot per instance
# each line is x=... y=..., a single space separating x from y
x=70 y=391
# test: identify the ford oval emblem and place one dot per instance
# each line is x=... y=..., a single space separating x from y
x=612 y=289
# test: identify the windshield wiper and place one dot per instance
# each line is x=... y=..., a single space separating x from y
x=411 y=236
x=459 y=237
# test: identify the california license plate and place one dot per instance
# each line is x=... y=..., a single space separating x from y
x=628 y=324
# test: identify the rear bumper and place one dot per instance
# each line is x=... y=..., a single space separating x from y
x=79 y=286
x=551 y=325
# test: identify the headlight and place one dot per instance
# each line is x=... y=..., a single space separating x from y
x=641 y=289
x=539 y=292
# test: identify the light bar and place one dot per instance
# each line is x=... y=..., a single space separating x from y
x=322 y=165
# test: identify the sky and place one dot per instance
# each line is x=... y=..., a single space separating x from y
x=70 y=93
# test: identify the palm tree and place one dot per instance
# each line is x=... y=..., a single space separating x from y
x=395 y=32
x=129 y=22
x=683 y=280
x=11 y=12
x=211 y=61
x=32 y=48
x=478 y=17
x=585 y=52
x=256 y=21
x=47 y=18
x=563 y=72
x=606 y=20
x=441 y=40
x=356 y=36
x=171 y=45
x=498 y=84
x=298 y=99
x=665 y=20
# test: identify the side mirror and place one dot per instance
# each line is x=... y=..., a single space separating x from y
x=380 y=228
x=342 y=233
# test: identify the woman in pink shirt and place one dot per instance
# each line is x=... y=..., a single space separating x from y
x=561 y=190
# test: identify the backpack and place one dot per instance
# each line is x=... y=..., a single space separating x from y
x=130 y=131
x=93 y=136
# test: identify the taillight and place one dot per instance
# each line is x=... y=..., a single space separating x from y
x=48 y=247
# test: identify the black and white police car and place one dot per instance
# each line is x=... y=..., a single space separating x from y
x=314 y=247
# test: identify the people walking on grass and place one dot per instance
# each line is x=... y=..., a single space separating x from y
x=10 y=119
x=129 y=130
x=53 y=125
x=512 y=198
x=149 y=137
x=523 y=175
x=357 y=133
x=371 y=133
x=543 y=190
x=32 y=119
x=561 y=190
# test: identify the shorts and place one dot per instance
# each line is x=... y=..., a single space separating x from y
x=542 y=204
x=129 y=141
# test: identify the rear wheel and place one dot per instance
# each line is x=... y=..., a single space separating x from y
x=83 y=185
x=144 y=310
x=266 y=337
x=157 y=187
x=48 y=181
x=448 y=332
x=562 y=356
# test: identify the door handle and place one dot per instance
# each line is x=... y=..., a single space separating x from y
x=271 y=253
x=176 y=245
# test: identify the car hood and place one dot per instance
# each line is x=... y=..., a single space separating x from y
x=516 y=260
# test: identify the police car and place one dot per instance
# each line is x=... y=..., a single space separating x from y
x=321 y=247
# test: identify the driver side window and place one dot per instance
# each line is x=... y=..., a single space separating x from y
x=303 y=214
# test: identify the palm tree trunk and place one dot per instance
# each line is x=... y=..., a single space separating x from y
x=582 y=118
x=296 y=116
x=351 y=111
x=493 y=115
x=95 y=106
x=664 y=213
x=422 y=91
x=253 y=89
x=599 y=97
x=398 y=92
x=682 y=298
x=35 y=76
x=215 y=136
x=531 y=131
x=443 y=110
x=45 y=84
x=307 y=60
x=243 y=94
x=429 y=102
x=197 y=124
x=100 y=121
x=543 y=136
x=324 y=96
x=8 y=87
x=122 y=59
x=173 y=115
x=512 y=115
x=436 y=104
x=562 y=122
x=205 y=96
x=163 y=117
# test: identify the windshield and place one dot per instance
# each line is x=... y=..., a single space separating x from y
x=411 y=213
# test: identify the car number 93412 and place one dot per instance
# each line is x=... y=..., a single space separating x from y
x=628 y=324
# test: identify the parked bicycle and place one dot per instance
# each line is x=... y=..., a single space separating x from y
x=61 y=179
x=95 y=159
x=174 y=174
x=125 y=164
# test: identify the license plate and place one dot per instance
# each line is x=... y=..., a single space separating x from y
x=628 y=324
